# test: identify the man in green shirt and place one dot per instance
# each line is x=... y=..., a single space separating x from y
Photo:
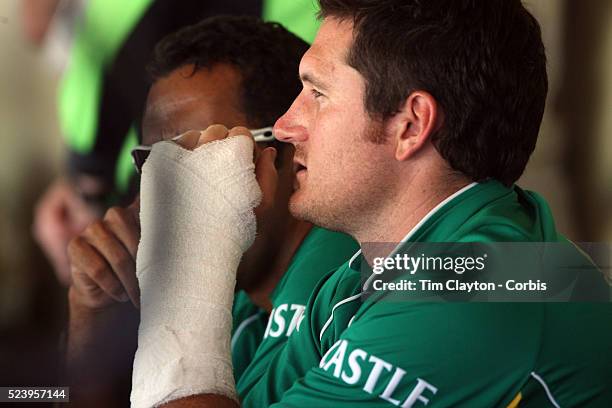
x=401 y=353
x=415 y=121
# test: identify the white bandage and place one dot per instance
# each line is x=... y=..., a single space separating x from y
x=196 y=210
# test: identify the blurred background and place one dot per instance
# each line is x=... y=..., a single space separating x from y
x=571 y=167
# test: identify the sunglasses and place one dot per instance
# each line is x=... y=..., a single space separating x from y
x=141 y=152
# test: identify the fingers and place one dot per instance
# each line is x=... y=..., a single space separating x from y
x=124 y=226
x=116 y=238
x=239 y=131
x=188 y=140
x=193 y=139
x=92 y=276
x=212 y=133
x=105 y=255
x=267 y=176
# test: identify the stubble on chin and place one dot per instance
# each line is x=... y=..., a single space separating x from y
x=297 y=206
x=304 y=206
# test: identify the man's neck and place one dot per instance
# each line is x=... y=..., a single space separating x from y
x=398 y=218
x=292 y=238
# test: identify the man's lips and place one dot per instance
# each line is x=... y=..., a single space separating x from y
x=299 y=170
x=298 y=166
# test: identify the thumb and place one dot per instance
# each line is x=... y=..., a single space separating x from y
x=188 y=140
x=267 y=176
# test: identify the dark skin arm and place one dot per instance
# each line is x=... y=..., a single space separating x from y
x=99 y=354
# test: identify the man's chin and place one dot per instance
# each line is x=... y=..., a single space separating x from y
x=295 y=203
x=298 y=205
x=305 y=208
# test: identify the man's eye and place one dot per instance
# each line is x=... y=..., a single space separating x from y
x=316 y=94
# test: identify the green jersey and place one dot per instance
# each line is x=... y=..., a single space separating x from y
x=249 y=324
x=255 y=337
x=349 y=353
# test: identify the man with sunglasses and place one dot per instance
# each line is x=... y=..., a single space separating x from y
x=230 y=70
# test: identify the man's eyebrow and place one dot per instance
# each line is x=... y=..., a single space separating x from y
x=307 y=77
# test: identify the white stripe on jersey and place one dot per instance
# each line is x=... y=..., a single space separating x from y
x=548 y=393
x=241 y=327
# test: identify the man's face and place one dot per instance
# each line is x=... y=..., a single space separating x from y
x=339 y=169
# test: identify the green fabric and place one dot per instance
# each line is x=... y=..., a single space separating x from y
x=298 y=16
x=255 y=338
x=125 y=168
x=99 y=36
x=380 y=354
x=249 y=324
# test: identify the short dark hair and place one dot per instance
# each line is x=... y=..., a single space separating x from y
x=266 y=55
x=482 y=60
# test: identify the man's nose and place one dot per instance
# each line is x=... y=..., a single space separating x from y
x=288 y=129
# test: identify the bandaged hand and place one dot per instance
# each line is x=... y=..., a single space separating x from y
x=197 y=218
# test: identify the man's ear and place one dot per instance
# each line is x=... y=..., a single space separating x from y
x=411 y=127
